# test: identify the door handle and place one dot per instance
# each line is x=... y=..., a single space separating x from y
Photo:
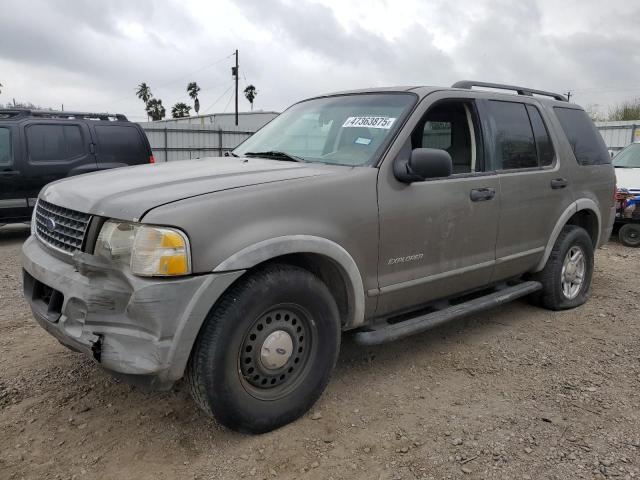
x=557 y=183
x=482 y=194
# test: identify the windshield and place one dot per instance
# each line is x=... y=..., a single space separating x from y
x=5 y=147
x=343 y=130
x=629 y=157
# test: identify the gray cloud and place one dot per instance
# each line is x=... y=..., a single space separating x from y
x=91 y=55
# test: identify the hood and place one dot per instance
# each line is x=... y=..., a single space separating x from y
x=628 y=178
x=128 y=193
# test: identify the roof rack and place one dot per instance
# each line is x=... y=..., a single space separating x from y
x=28 y=112
x=468 y=84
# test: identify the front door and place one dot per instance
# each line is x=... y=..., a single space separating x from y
x=437 y=237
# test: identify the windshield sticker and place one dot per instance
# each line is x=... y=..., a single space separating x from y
x=362 y=141
x=370 y=122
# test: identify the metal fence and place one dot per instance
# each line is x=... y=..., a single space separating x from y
x=618 y=135
x=171 y=143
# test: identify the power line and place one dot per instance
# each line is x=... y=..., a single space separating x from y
x=218 y=99
x=227 y=105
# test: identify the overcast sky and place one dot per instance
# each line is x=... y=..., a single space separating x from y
x=90 y=55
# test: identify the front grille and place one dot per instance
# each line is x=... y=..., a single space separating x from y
x=60 y=227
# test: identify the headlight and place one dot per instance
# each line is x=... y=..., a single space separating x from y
x=149 y=251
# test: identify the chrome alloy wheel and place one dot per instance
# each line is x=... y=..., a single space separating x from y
x=276 y=351
x=574 y=268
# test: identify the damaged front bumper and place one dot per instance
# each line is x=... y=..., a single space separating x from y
x=141 y=329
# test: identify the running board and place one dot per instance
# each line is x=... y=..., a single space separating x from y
x=388 y=332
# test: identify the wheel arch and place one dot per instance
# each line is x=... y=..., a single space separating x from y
x=583 y=213
x=324 y=258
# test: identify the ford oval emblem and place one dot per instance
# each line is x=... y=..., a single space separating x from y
x=50 y=223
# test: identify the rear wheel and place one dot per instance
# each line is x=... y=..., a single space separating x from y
x=629 y=234
x=566 y=277
x=265 y=353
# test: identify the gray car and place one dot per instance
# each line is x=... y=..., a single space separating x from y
x=384 y=211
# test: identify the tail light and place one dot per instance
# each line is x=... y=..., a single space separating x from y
x=151 y=159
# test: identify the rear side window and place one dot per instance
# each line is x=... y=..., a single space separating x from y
x=515 y=146
x=543 y=142
x=586 y=142
x=51 y=143
x=5 y=147
x=120 y=144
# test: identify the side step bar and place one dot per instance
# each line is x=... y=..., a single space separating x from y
x=388 y=332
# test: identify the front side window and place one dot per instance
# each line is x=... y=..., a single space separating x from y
x=347 y=130
x=587 y=143
x=515 y=146
x=450 y=126
x=5 y=147
x=629 y=157
x=51 y=143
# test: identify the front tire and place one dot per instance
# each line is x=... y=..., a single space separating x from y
x=266 y=351
x=566 y=277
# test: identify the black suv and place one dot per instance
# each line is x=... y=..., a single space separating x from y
x=40 y=146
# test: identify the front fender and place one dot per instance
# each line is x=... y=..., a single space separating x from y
x=276 y=247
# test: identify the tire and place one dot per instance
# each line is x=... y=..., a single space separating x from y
x=629 y=234
x=553 y=296
x=236 y=370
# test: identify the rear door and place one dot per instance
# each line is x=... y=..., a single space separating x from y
x=55 y=150
x=120 y=145
x=534 y=185
x=13 y=197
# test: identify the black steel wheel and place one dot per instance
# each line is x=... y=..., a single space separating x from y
x=266 y=351
x=629 y=234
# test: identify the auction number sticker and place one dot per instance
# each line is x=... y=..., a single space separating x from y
x=369 y=122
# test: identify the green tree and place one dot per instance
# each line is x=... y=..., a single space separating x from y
x=155 y=110
x=250 y=93
x=144 y=94
x=192 y=90
x=627 y=110
x=180 y=110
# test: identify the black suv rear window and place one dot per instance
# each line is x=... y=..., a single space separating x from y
x=5 y=147
x=586 y=142
x=121 y=144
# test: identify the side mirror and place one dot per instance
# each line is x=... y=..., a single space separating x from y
x=423 y=163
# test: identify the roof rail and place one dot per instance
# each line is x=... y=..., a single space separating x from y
x=468 y=84
x=28 y=112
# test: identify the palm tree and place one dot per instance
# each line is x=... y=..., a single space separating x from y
x=155 y=109
x=0 y=88
x=144 y=94
x=192 y=90
x=180 y=110
x=250 y=93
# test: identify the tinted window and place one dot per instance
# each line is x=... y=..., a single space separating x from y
x=120 y=144
x=54 y=142
x=5 y=147
x=514 y=143
x=586 y=142
x=543 y=142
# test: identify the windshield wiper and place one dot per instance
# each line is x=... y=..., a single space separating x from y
x=276 y=155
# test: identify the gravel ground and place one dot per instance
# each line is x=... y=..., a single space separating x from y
x=517 y=392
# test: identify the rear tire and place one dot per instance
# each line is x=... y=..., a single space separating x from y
x=629 y=234
x=566 y=277
x=266 y=351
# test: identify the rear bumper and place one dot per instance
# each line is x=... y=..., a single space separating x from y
x=139 y=328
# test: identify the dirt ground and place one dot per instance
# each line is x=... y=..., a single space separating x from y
x=517 y=392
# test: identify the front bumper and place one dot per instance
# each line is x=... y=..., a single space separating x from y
x=140 y=328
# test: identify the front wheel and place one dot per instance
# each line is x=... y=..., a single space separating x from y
x=566 y=277
x=266 y=351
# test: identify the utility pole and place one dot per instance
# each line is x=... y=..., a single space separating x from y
x=569 y=96
x=235 y=72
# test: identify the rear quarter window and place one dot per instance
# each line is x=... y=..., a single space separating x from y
x=5 y=147
x=585 y=140
x=120 y=144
